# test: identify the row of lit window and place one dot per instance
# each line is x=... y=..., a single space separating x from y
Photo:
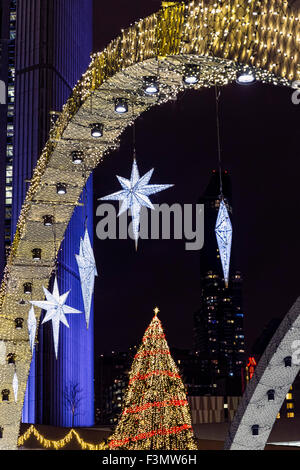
x=10 y=115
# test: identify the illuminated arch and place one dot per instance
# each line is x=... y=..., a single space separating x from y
x=220 y=36
x=274 y=372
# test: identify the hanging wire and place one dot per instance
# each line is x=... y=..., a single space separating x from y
x=133 y=135
x=217 y=95
x=54 y=239
x=85 y=199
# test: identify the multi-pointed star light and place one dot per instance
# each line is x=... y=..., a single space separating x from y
x=224 y=238
x=87 y=271
x=135 y=195
x=31 y=323
x=55 y=310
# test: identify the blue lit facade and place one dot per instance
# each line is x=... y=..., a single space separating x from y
x=53 y=46
x=7 y=75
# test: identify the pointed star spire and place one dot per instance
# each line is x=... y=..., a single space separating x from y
x=87 y=271
x=223 y=231
x=156 y=311
x=55 y=311
x=135 y=194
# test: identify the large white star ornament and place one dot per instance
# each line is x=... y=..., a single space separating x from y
x=135 y=195
x=224 y=238
x=55 y=310
x=87 y=271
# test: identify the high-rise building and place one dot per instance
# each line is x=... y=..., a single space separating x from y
x=48 y=48
x=218 y=324
x=111 y=381
x=7 y=76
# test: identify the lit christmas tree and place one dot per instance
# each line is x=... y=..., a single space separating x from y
x=156 y=412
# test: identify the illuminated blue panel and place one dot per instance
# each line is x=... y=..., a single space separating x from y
x=41 y=30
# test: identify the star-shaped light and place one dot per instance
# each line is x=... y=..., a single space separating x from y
x=55 y=310
x=135 y=195
x=31 y=323
x=224 y=238
x=156 y=311
x=87 y=271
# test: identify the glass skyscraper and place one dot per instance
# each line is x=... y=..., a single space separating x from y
x=49 y=43
x=219 y=322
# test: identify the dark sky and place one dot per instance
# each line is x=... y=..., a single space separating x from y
x=260 y=149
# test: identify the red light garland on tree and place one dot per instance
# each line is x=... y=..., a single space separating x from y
x=156 y=412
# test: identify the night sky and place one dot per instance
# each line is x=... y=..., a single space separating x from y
x=260 y=149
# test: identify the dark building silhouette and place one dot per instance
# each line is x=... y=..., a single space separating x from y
x=111 y=381
x=45 y=48
x=7 y=111
x=218 y=324
x=208 y=401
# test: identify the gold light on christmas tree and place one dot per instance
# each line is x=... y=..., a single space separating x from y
x=156 y=413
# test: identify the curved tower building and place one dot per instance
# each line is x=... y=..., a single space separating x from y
x=53 y=43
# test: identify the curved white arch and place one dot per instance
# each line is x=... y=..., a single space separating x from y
x=271 y=374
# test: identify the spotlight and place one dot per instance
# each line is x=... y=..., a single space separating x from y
x=246 y=77
x=48 y=220
x=271 y=395
x=27 y=288
x=97 y=130
x=11 y=358
x=19 y=323
x=288 y=361
x=36 y=254
x=191 y=74
x=151 y=85
x=5 y=395
x=61 y=188
x=255 y=429
x=121 y=105
x=77 y=157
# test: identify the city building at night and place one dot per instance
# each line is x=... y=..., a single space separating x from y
x=208 y=401
x=219 y=322
x=111 y=380
x=45 y=48
x=7 y=110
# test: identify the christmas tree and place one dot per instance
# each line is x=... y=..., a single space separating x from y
x=155 y=414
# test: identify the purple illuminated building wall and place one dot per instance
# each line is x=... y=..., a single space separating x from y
x=53 y=46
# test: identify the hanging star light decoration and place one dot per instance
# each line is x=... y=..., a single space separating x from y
x=55 y=310
x=15 y=386
x=31 y=323
x=223 y=231
x=135 y=195
x=87 y=271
